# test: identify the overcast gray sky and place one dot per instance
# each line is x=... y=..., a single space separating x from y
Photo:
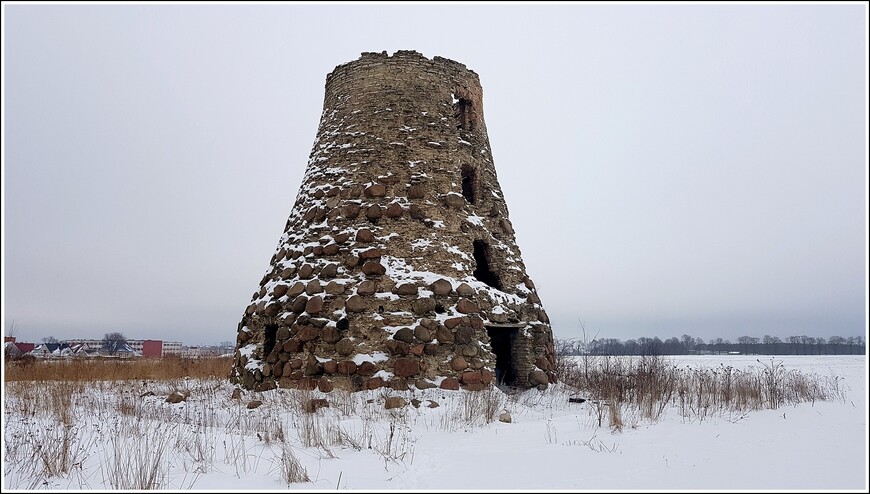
x=668 y=169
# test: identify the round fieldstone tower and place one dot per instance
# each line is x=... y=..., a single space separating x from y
x=398 y=265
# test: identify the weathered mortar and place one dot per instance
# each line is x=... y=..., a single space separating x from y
x=398 y=253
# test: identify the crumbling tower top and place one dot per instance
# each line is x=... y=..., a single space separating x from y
x=376 y=77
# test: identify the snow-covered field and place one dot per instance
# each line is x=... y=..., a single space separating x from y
x=124 y=435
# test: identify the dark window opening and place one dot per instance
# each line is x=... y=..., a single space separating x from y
x=269 y=339
x=483 y=272
x=380 y=309
x=463 y=113
x=502 y=342
x=469 y=183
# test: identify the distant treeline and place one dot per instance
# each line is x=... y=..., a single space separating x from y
x=688 y=345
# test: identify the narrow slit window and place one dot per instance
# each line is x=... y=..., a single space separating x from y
x=463 y=113
x=483 y=271
x=269 y=336
x=469 y=183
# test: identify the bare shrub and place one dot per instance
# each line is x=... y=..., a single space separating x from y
x=139 y=462
x=198 y=446
x=493 y=403
x=651 y=384
x=565 y=362
x=772 y=377
x=476 y=408
x=344 y=401
x=550 y=429
x=595 y=444
x=236 y=454
x=292 y=472
x=49 y=451
x=311 y=431
x=615 y=416
x=396 y=443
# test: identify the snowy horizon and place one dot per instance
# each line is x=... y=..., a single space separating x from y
x=457 y=440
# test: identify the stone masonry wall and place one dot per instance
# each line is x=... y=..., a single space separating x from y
x=398 y=253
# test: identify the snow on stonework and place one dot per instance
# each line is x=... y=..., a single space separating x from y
x=398 y=266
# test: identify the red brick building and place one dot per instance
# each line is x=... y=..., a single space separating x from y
x=152 y=348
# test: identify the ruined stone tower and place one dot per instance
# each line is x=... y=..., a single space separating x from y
x=398 y=265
